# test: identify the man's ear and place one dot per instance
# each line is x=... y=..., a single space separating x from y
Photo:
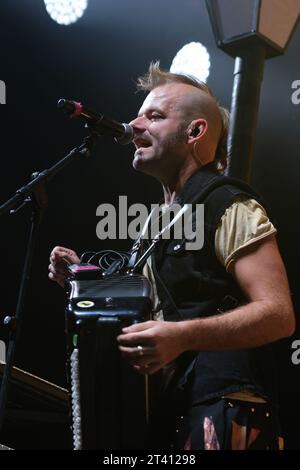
x=196 y=131
x=197 y=128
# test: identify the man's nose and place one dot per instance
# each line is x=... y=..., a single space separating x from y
x=138 y=124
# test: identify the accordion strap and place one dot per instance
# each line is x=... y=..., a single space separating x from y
x=135 y=263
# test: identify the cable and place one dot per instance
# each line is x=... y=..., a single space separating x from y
x=106 y=258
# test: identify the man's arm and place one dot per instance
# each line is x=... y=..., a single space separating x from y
x=267 y=317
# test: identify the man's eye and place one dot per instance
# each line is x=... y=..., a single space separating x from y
x=156 y=116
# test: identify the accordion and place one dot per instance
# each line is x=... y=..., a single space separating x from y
x=109 y=399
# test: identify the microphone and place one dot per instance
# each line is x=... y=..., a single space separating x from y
x=102 y=125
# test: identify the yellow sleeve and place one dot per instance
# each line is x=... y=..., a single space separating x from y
x=242 y=224
x=148 y=273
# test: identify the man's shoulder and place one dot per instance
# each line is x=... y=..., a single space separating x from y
x=223 y=195
x=229 y=187
x=207 y=185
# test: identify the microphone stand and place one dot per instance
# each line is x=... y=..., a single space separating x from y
x=33 y=193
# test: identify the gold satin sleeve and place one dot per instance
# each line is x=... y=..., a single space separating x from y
x=242 y=224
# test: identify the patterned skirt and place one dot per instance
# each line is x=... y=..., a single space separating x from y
x=221 y=424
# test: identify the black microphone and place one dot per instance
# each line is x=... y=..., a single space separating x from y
x=102 y=125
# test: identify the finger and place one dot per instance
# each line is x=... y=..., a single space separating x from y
x=56 y=275
x=59 y=252
x=60 y=263
x=60 y=256
x=135 y=352
x=58 y=249
x=148 y=369
x=56 y=278
x=56 y=258
x=62 y=249
x=132 y=339
x=139 y=327
x=56 y=270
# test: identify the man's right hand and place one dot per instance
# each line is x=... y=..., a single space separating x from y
x=60 y=259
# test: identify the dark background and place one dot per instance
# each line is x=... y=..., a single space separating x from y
x=97 y=61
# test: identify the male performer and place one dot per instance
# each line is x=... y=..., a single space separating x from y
x=222 y=305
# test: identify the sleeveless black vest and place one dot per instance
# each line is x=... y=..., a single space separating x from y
x=193 y=284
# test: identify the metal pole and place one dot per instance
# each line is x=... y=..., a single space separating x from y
x=248 y=75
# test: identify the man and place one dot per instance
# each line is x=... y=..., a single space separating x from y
x=224 y=304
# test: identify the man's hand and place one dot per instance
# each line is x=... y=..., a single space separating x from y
x=151 y=345
x=60 y=259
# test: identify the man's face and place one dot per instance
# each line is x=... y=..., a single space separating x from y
x=160 y=137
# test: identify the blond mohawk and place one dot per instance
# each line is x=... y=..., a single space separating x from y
x=156 y=77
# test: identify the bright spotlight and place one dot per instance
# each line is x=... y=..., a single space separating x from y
x=65 y=11
x=192 y=59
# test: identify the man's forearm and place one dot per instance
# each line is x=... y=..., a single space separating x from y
x=249 y=326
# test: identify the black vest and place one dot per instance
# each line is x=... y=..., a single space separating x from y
x=194 y=284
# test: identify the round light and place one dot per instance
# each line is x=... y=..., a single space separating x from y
x=66 y=11
x=192 y=59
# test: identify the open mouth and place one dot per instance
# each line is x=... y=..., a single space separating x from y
x=141 y=143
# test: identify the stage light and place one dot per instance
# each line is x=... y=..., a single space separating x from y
x=192 y=59
x=65 y=11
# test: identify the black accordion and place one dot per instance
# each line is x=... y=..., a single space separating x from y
x=109 y=399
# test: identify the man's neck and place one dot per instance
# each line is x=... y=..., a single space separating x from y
x=173 y=188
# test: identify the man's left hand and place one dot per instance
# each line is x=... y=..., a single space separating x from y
x=151 y=345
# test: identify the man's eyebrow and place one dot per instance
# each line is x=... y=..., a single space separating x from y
x=151 y=110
